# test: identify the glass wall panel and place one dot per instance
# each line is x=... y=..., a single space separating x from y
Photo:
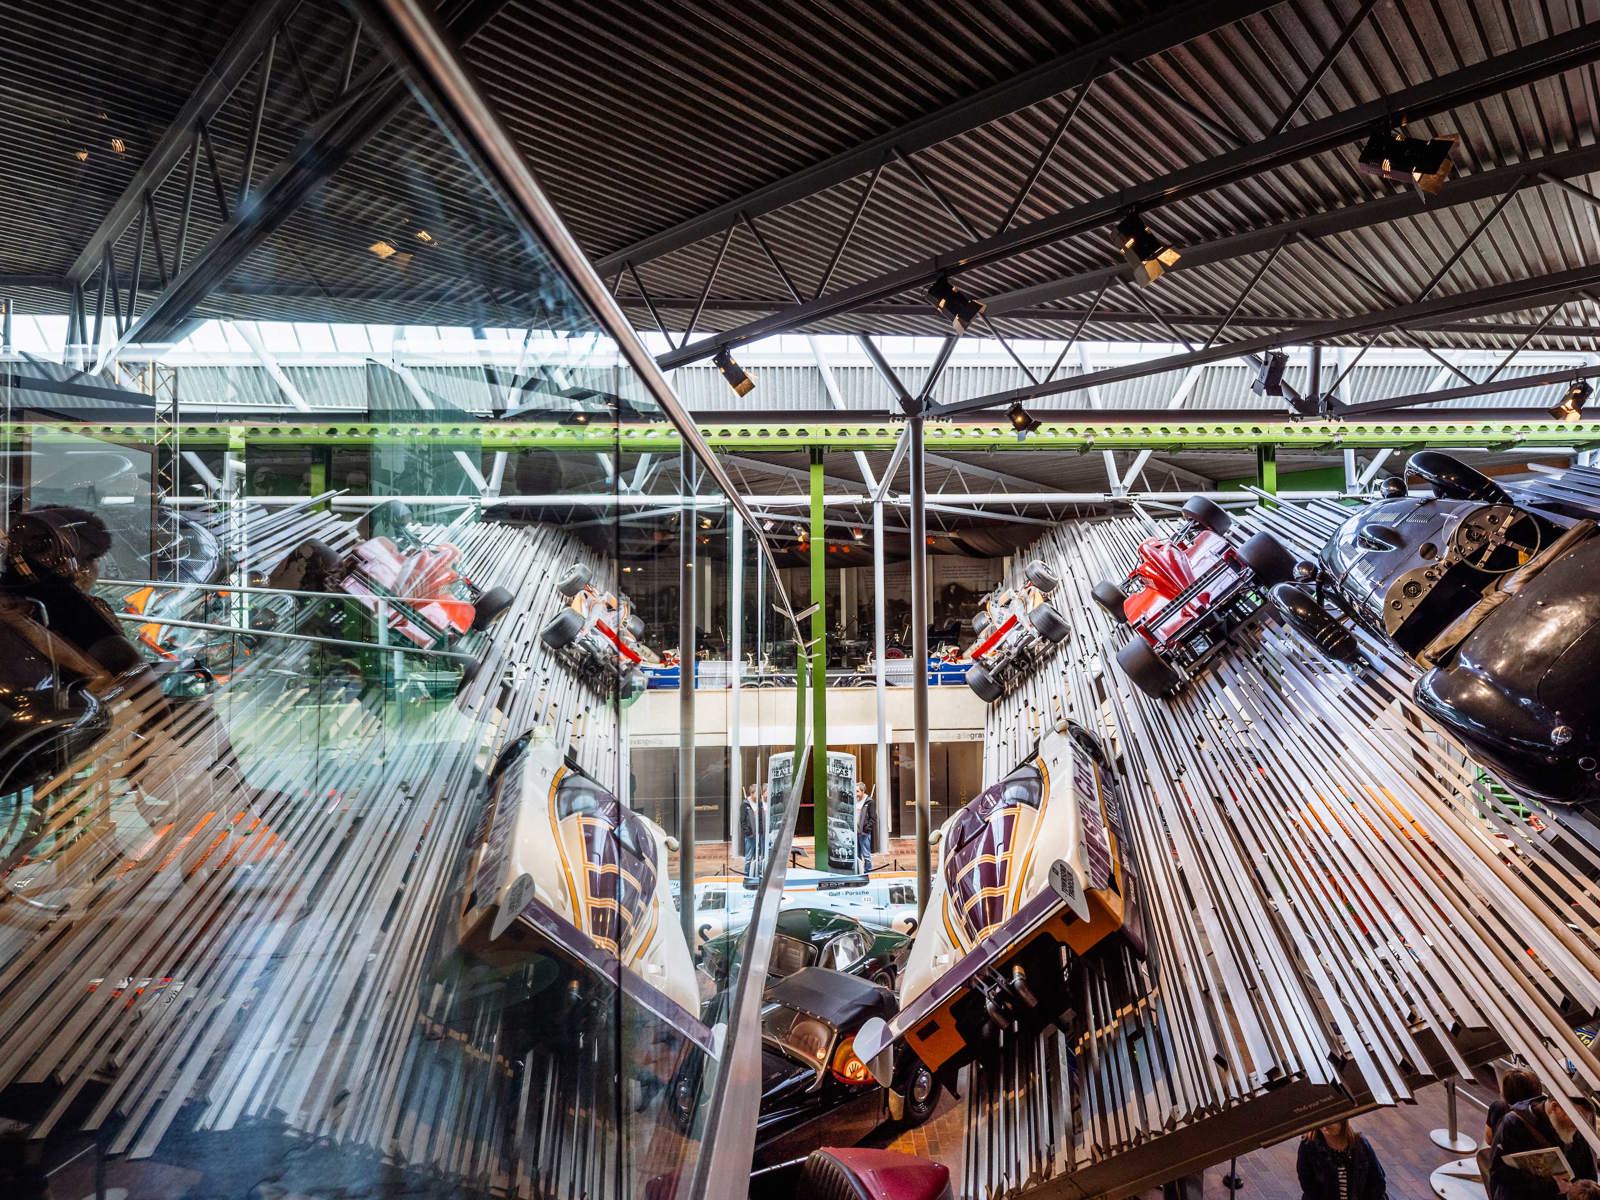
x=329 y=862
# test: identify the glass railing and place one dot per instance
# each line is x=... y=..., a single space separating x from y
x=330 y=860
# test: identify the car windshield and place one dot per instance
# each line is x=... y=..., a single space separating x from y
x=790 y=954
x=802 y=1037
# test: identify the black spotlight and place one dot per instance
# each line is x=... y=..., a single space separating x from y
x=1570 y=407
x=741 y=382
x=1269 y=380
x=1022 y=420
x=1394 y=154
x=961 y=309
x=1144 y=249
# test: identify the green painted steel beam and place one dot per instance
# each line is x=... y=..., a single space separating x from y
x=829 y=436
x=819 y=663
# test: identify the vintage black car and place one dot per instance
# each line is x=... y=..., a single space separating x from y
x=815 y=1091
x=1500 y=605
x=821 y=937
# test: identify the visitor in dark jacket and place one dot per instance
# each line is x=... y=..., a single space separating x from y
x=1536 y=1124
x=1337 y=1163
x=1516 y=1085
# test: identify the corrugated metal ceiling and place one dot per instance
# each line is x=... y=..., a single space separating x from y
x=640 y=115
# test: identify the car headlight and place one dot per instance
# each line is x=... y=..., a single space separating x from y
x=810 y=1038
x=847 y=1068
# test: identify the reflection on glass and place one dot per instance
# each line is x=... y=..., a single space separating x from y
x=329 y=862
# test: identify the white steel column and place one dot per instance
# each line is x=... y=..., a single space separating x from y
x=736 y=670
x=880 y=637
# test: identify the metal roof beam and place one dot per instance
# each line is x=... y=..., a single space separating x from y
x=361 y=112
x=1508 y=297
x=1182 y=23
x=1199 y=321
x=1492 y=76
x=1464 y=189
x=1489 y=387
x=229 y=70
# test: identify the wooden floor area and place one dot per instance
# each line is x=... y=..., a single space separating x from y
x=1399 y=1135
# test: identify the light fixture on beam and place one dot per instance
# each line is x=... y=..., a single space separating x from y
x=959 y=308
x=1570 y=406
x=1022 y=420
x=1269 y=379
x=1144 y=250
x=738 y=379
x=1394 y=154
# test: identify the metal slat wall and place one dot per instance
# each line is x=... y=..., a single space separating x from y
x=1339 y=907
x=280 y=960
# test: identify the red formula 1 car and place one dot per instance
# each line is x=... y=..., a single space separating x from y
x=1017 y=628
x=598 y=633
x=1189 y=594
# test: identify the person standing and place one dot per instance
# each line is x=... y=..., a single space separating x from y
x=1516 y=1085
x=747 y=831
x=1537 y=1124
x=1337 y=1163
x=866 y=826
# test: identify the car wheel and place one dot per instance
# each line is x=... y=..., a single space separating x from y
x=490 y=605
x=1452 y=479
x=562 y=629
x=1270 y=560
x=573 y=582
x=913 y=1103
x=469 y=665
x=633 y=685
x=1049 y=623
x=980 y=622
x=1207 y=515
x=636 y=626
x=1110 y=597
x=883 y=977
x=1147 y=670
x=1319 y=626
x=1042 y=577
x=984 y=684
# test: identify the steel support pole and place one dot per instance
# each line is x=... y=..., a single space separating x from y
x=919 y=657
x=687 y=542
x=736 y=668
x=819 y=665
x=880 y=635
x=1267 y=470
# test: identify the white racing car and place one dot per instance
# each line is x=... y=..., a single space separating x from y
x=598 y=633
x=1033 y=877
x=562 y=869
x=1017 y=628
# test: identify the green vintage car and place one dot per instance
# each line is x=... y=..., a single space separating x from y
x=819 y=937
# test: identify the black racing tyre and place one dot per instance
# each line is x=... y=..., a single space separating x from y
x=984 y=684
x=1112 y=599
x=913 y=1102
x=490 y=605
x=1315 y=623
x=1049 y=623
x=632 y=685
x=1452 y=479
x=1147 y=670
x=980 y=622
x=1042 y=577
x=573 y=582
x=636 y=626
x=1270 y=560
x=562 y=629
x=1207 y=515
